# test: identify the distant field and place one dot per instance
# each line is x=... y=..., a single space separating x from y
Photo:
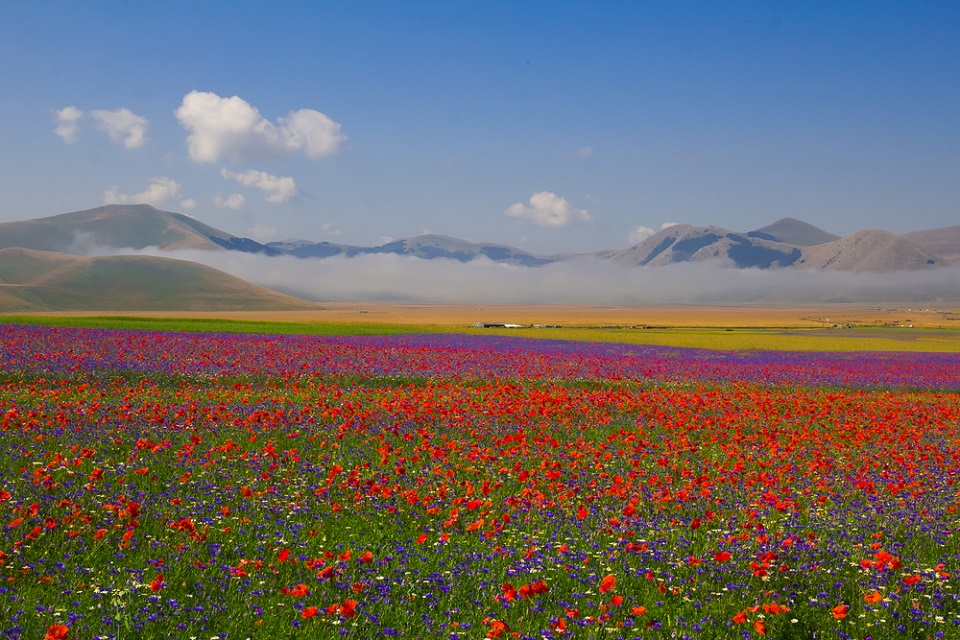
x=824 y=328
x=852 y=339
x=214 y=325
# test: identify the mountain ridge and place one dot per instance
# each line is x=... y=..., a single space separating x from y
x=786 y=243
x=135 y=226
x=792 y=231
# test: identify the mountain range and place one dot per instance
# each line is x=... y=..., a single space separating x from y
x=785 y=243
x=44 y=262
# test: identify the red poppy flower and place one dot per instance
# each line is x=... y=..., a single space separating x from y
x=497 y=628
x=299 y=591
x=607 y=583
x=56 y=632
x=348 y=608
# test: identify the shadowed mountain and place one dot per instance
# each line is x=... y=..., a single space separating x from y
x=944 y=242
x=428 y=247
x=435 y=246
x=686 y=243
x=793 y=231
x=134 y=226
x=308 y=249
x=869 y=250
x=48 y=281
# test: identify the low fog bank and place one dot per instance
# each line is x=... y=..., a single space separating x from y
x=388 y=277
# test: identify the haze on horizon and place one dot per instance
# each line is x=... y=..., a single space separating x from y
x=549 y=127
x=395 y=278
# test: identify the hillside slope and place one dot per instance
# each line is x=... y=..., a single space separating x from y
x=944 y=242
x=47 y=281
x=869 y=250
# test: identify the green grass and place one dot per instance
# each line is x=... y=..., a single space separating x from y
x=739 y=339
x=211 y=325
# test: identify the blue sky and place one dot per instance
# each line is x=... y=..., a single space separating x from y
x=551 y=126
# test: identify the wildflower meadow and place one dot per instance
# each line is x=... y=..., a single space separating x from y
x=198 y=485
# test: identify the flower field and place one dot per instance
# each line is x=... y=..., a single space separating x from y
x=178 y=485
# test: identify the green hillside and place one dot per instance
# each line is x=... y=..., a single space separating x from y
x=37 y=281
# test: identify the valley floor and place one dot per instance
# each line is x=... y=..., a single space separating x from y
x=894 y=315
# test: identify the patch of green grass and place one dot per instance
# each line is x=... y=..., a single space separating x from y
x=212 y=325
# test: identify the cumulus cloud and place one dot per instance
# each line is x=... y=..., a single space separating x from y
x=68 y=126
x=312 y=130
x=280 y=189
x=232 y=128
x=547 y=209
x=159 y=190
x=641 y=233
x=235 y=201
x=330 y=229
x=122 y=126
x=188 y=203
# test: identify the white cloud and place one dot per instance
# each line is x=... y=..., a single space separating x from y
x=262 y=233
x=159 y=191
x=641 y=233
x=68 y=120
x=280 y=188
x=330 y=229
x=547 y=209
x=315 y=132
x=188 y=203
x=123 y=126
x=232 y=128
x=235 y=201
